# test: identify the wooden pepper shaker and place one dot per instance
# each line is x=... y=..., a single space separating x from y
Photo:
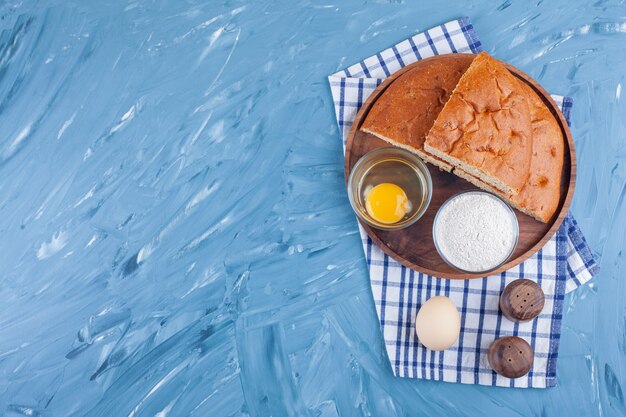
x=522 y=300
x=510 y=356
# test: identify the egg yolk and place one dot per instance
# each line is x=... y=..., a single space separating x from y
x=387 y=203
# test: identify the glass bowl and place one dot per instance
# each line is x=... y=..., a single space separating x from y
x=509 y=210
x=390 y=165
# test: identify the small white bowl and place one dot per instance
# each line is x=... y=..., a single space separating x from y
x=509 y=210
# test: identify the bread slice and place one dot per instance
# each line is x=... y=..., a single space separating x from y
x=393 y=118
x=484 y=129
x=540 y=195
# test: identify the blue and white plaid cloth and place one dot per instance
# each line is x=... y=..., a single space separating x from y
x=562 y=265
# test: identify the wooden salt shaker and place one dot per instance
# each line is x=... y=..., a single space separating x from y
x=522 y=300
x=510 y=356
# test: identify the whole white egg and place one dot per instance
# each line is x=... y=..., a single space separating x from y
x=438 y=323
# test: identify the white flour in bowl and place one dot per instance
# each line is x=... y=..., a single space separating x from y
x=475 y=231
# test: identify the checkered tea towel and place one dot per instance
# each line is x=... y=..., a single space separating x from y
x=562 y=265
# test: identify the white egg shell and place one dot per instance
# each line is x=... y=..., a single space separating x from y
x=438 y=323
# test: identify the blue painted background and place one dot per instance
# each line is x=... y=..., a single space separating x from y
x=176 y=236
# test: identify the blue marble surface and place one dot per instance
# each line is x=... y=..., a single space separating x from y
x=176 y=236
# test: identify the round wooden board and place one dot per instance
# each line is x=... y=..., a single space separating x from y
x=413 y=247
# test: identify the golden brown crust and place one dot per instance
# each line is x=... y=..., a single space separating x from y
x=542 y=191
x=484 y=128
x=540 y=195
x=393 y=117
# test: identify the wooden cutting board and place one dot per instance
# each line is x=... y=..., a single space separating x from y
x=413 y=247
